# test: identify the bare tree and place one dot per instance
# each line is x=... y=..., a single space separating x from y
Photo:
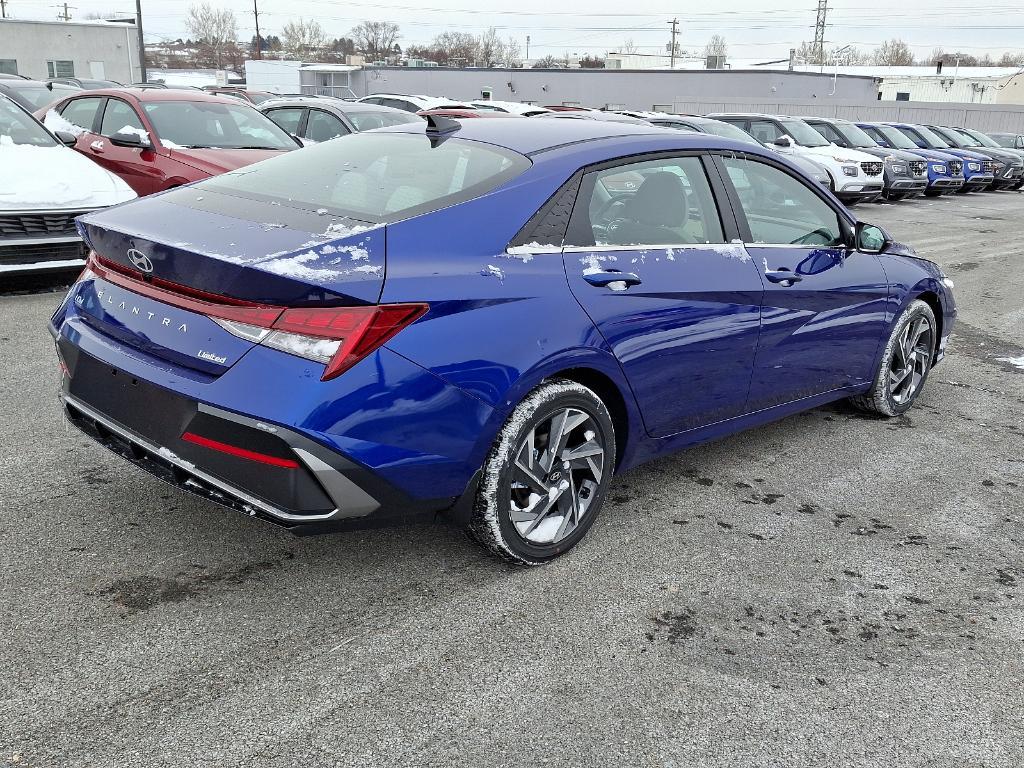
x=716 y=47
x=628 y=46
x=848 y=56
x=376 y=39
x=894 y=53
x=302 y=38
x=1010 y=59
x=548 y=62
x=511 y=55
x=488 y=48
x=456 y=48
x=213 y=27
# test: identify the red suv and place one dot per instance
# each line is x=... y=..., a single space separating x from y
x=160 y=138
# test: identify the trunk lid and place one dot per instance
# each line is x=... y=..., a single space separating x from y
x=220 y=249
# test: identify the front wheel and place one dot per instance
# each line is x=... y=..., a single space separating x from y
x=905 y=363
x=545 y=478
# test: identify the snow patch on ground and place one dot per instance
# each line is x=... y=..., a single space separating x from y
x=1016 y=362
x=55 y=122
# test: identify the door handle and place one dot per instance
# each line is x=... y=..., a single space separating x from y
x=96 y=146
x=603 y=279
x=782 y=275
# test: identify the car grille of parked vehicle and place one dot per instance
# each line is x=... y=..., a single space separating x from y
x=871 y=168
x=919 y=167
x=956 y=167
x=39 y=224
x=988 y=167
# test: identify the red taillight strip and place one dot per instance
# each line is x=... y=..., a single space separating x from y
x=187 y=298
x=242 y=453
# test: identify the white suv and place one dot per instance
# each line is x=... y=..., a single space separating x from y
x=413 y=103
x=856 y=176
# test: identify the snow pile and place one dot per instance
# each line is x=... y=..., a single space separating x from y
x=55 y=123
x=55 y=178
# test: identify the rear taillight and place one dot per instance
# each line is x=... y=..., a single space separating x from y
x=338 y=337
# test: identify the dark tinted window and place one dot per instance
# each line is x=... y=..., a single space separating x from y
x=287 y=117
x=376 y=176
x=81 y=112
x=323 y=126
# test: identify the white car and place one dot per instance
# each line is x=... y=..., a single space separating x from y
x=43 y=187
x=512 y=107
x=856 y=176
x=413 y=103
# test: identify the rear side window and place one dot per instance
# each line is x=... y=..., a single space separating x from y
x=765 y=131
x=376 y=177
x=81 y=112
x=323 y=126
x=117 y=115
x=667 y=201
x=780 y=209
x=288 y=118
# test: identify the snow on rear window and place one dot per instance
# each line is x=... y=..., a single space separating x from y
x=376 y=177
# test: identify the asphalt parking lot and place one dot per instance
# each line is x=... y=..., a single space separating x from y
x=830 y=590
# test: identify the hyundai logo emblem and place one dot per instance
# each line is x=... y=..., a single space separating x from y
x=140 y=260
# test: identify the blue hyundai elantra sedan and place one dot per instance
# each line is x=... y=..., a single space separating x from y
x=483 y=321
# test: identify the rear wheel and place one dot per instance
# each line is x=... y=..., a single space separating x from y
x=545 y=478
x=905 y=363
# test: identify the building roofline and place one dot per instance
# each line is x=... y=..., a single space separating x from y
x=97 y=23
x=625 y=71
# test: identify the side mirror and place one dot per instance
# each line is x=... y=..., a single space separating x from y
x=66 y=138
x=783 y=141
x=871 y=239
x=130 y=139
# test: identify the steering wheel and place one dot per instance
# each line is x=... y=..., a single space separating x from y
x=600 y=214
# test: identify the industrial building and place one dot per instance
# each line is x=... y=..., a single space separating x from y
x=101 y=50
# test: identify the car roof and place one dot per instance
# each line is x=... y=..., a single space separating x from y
x=531 y=135
x=339 y=105
x=161 y=94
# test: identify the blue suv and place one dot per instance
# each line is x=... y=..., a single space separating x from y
x=945 y=171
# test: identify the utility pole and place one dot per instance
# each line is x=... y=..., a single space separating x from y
x=66 y=14
x=819 y=33
x=142 y=41
x=527 y=47
x=672 y=49
x=3 y=9
x=259 y=40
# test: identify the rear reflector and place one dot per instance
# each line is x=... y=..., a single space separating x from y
x=338 y=337
x=242 y=453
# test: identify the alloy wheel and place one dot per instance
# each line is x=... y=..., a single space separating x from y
x=556 y=473
x=911 y=359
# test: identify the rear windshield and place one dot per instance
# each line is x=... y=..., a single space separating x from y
x=367 y=121
x=377 y=177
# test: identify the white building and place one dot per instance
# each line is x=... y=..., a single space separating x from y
x=100 y=50
x=961 y=85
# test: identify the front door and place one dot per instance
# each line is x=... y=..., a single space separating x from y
x=824 y=308
x=649 y=259
x=138 y=166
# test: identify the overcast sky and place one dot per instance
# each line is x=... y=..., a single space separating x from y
x=752 y=28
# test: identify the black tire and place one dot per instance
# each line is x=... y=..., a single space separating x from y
x=491 y=524
x=889 y=394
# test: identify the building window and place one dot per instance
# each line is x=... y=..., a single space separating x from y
x=902 y=96
x=60 y=69
x=8 y=66
x=879 y=95
x=662 y=108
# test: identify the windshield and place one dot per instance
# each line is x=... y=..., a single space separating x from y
x=854 y=136
x=803 y=134
x=953 y=138
x=377 y=177
x=17 y=127
x=728 y=131
x=39 y=95
x=206 y=124
x=897 y=138
x=367 y=121
x=981 y=138
x=933 y=139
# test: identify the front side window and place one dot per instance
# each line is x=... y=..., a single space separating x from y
x=207 y=124
x=765 y=131
x=376 y=177
x=323 y=126
x=829 y=133
x=803 y=134
x=854 y=136
x=780 y=209
x=117 y=116
x=657 y=202
x=82 y=112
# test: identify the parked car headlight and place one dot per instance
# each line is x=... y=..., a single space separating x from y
x=850 y=170
x=897 y=168
x=974 y=166
x=939 y=168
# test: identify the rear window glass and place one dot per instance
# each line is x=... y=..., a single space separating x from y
x=367 y=121
x=376 y=177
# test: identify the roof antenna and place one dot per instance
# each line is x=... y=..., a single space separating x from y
x=441 y=124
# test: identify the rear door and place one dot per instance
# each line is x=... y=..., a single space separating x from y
x=139 y=167
x=824 y=308
x=648 y=256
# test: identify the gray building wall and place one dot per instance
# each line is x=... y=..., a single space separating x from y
x=628 y=89
x=32 y=43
